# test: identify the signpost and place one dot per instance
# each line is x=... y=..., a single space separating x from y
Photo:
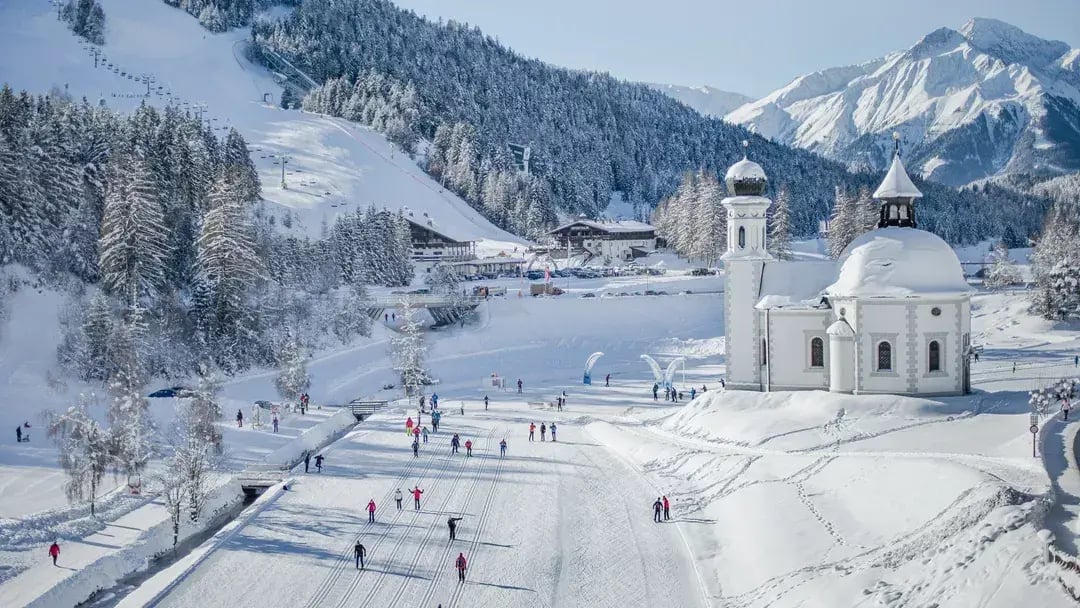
x=1034 y=432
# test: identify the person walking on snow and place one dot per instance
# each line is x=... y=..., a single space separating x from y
x=452 y=524
x=655 y=391
x=485 y=403
x=1065 y=407
x=416 y=432
x=408 y=426
x=461 y=565
x=371 y=511
x=434 y=400
x=397 y=498
x=667 y=509
x=532 y=430
x=693 y=393
x=462 y=408
x=416 y=492
x=415 y=448
x=425 y=434
x=519 y=385
x=18 y=434
x=54 y=552
x=607 y=380
x=239 y=419
x=275 y=422
x=502 y=448
x=468 y=447
x=318 y=463
x=553 y=431
x=307 y=462
x=455 y=442
x=359 y=551
x=657 y=507
x=543 y=432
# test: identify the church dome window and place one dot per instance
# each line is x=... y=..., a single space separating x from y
x=742 y=237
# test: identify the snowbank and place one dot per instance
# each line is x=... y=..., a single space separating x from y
x=106 y=571
x=154 y=590
x=313 y=439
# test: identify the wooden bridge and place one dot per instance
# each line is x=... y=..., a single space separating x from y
x=445 y=309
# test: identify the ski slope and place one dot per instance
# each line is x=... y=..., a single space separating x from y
x=334 y=167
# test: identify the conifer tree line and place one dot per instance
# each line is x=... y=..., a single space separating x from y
x=852 y=216
x=223 y=15
x=86 y=18
x=1055 y=265
x=591 y=135
x=523 y=204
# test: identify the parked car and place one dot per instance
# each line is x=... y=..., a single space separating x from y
x=650 y=292
x=588 y=294
x=174 y=391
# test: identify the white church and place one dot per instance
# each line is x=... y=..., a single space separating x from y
x=891 y=316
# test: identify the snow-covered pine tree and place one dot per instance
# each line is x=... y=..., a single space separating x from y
x=85 y=452
x=131 y=428
x=241 y=169
x=1001 y=272
x=409 y=349
x=203 y=409
x=133 y=235
x=97 y=332
x=843 y=224
x=868 y=211
x=292 y=379
x=1053 y=268
x=780 y=229
x=351 y=318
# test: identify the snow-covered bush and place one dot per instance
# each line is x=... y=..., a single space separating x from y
x=86 y=451
x=1045 y=401
x=292 y=379
x=1002 y=271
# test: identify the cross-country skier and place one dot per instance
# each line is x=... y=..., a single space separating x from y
x=424 y=433
x=371 y=510
x=502 y=448
x=461 y=565
x=655 y=391
x=416 y=492
x=532 y=430
x=54 y=552
x=607 y=380
x=693 y=393
x=415 y=448
x=543 y=432
x=553 y=431
x=434 y=400
x=455 y=442
x=318 y=462
x=462 y=408
x=485 y=402
x=359 y=551
x=667 y=509
x=416 y=432
x=468 y=447
x=421 y=403
x=452 y=524
x=275 y=422
x=408 y=426
x=657 y=507
x=519 y=385
x=18 y=434
x=397 y=498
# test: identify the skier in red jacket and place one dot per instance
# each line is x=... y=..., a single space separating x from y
x=416 y=492
x=461 y=565
x=667 y=509
x=468 y=447
x=54 y=552
x=371 y=510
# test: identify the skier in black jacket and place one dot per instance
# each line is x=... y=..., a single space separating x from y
x=359 y=551
x=452 y=524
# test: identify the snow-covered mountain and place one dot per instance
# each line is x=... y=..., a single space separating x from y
x=705 y=99
x=983 y=100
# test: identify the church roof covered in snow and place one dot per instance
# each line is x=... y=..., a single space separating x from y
x=897 y=184
x=795 y=284
x=899 y=263
x=745 y=169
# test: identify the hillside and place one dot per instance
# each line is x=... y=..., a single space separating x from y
x=333 y=168
x=983 y=100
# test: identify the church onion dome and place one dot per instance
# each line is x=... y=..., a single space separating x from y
x=898 y=262
x=897 y=184
x=745 y=178
x=841 y=329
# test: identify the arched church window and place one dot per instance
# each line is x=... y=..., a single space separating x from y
x=933 y=355
x=817 y=352
x=884 y=357
x=742 y=237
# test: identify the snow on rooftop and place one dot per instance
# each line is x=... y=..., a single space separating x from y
x=897 y=184
x=795 y=284
x=745 y=169
x=616 y=226
x=899 y=262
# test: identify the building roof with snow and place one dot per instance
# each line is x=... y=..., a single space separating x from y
x=897 y=184
x=795 y=284
x=901 y=263
x=613 y=228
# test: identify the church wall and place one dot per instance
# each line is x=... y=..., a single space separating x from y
x=741 y=325
x=790 y=332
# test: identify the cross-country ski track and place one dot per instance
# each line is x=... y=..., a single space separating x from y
x=549 y=524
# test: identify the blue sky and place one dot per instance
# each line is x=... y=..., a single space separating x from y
x=750 y=46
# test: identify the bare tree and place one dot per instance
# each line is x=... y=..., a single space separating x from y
x=85 y=452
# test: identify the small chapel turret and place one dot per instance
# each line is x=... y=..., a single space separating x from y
x=897 y=194
x=746 y=210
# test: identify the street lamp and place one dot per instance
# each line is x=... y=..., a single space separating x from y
x=1034 y=432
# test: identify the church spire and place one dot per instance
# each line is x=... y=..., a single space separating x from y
x=897 y=193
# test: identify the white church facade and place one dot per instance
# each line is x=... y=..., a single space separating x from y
x=891 y=316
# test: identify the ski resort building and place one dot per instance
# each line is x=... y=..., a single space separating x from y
x=892 y=315
x=431 y=245
x=609 y=241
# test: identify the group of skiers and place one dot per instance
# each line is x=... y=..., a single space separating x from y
x=318 y=462
x=543 y=431
x=661 y=505
x=674 y=395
